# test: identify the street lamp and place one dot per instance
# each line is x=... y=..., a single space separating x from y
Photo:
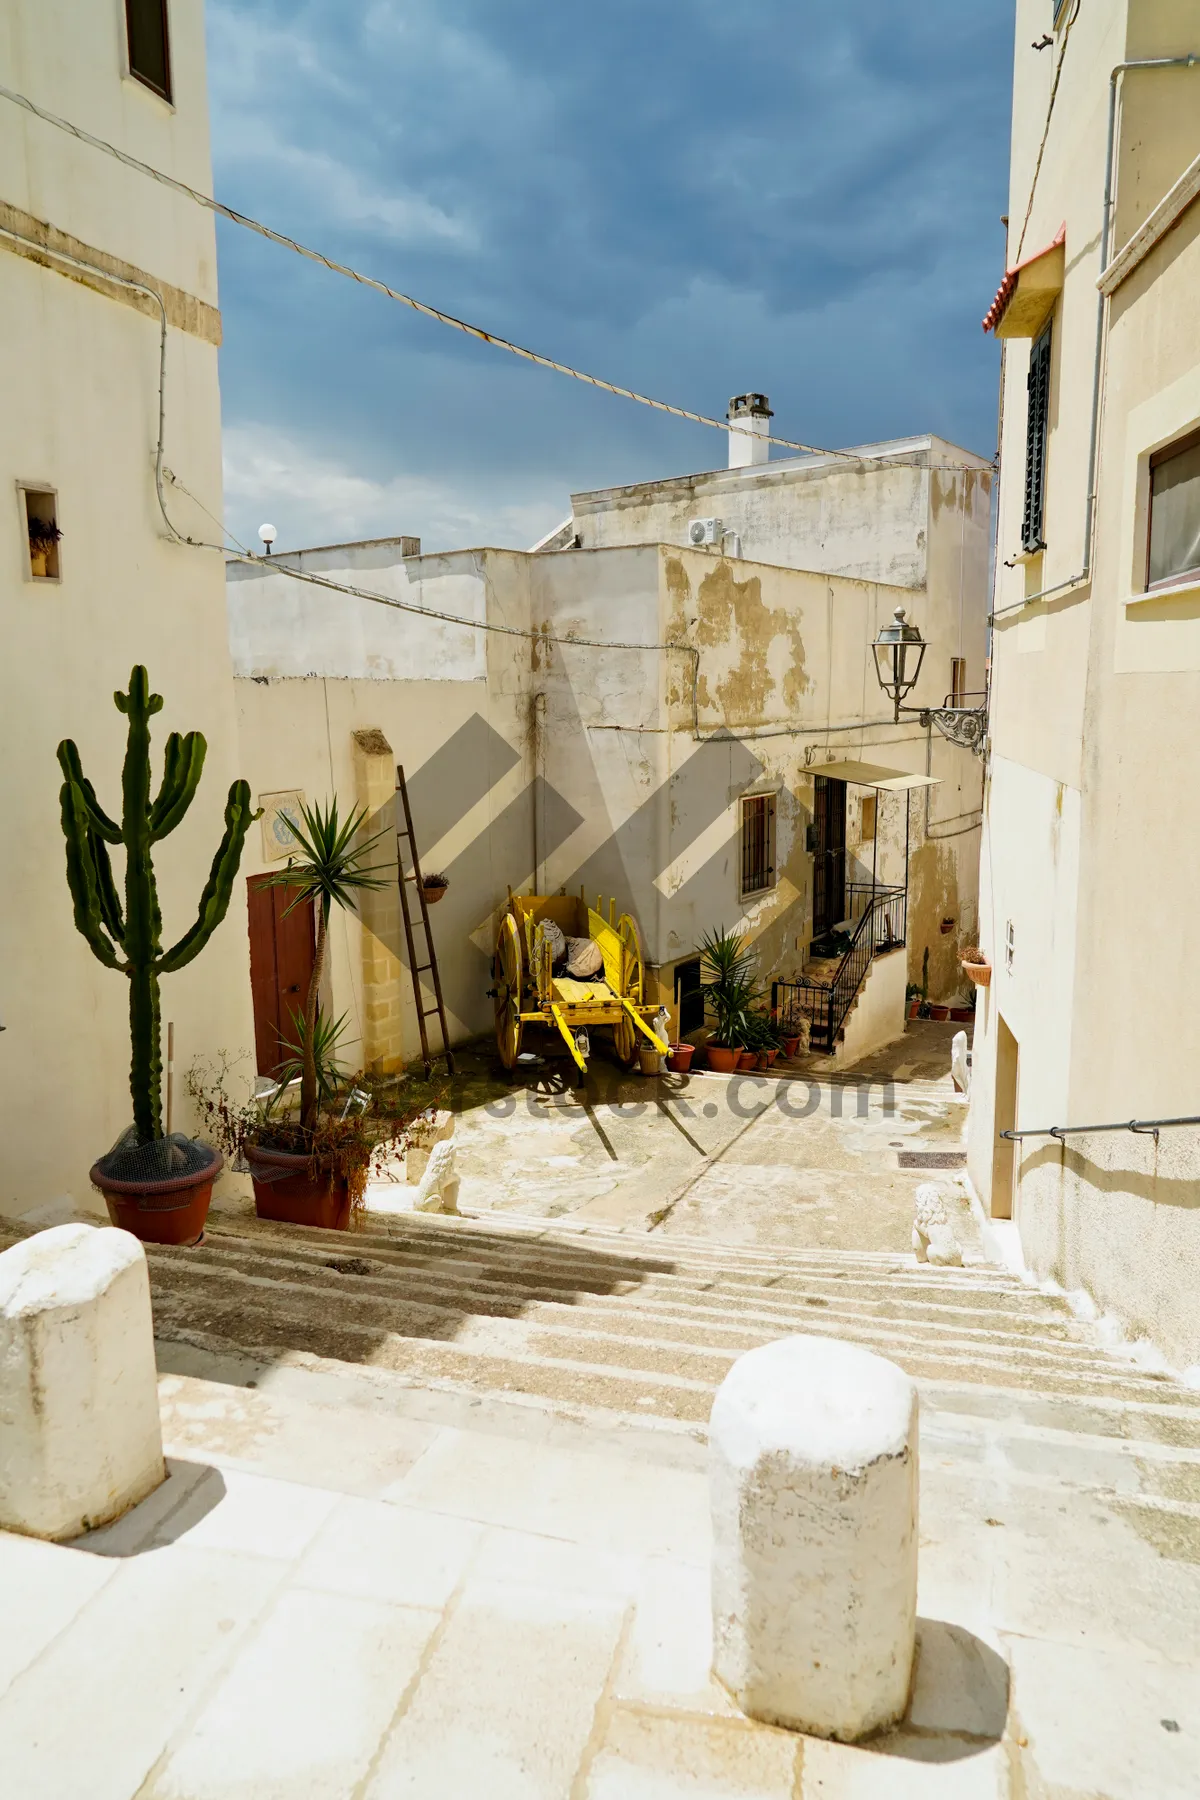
x=899 y=652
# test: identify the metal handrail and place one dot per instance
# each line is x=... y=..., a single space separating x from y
x=1151 y=1127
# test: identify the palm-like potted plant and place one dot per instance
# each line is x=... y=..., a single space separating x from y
x=306 y=1168
x=730 y=994
x=155 y=1185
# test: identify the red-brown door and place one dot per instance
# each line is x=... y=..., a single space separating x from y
x=282 y=954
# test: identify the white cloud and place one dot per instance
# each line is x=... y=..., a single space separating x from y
x=313 y=499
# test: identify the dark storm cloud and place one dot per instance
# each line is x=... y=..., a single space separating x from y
x=688 y=198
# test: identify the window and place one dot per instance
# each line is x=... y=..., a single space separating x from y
x=39 y=508
x=867 y=818
x=689 y=996
x=1032 y=537
x=758 y=844
x=958 y=680
x=1173 y=550
x=149 y=50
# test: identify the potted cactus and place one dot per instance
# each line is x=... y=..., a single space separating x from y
x=156 y=1186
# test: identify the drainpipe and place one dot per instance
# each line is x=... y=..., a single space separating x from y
x=1114 y=80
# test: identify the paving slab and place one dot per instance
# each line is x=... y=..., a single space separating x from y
x=645 y=1756
x=300 y=1712
x=506 y=1704
x=94 y=1712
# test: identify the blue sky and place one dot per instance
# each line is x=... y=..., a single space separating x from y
x=691 y=199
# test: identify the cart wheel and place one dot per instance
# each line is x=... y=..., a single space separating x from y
x=506 y=967
x=625 y=1034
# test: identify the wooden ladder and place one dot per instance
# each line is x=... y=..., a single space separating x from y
x=427 y=968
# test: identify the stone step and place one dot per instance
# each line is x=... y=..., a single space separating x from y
x=418 y=1305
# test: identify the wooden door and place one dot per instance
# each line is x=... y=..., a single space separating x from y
x=829 y=858
x=282 y=955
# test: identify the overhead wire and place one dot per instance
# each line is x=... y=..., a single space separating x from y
x=424 y=307
x=279 y=564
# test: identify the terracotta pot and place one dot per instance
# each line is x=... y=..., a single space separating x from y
x=747 y=1059
x=979 y=973
x=914 y=1009
x=961 y=1015
x=940 y=1013
x=722 y=1060
x=791 y=1047
x=680 y=1059
x=161 y=1212
x=771 y=1056
x=285 y=1189
x=431 y=895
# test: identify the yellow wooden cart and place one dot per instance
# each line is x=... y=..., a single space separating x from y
x=528 y=992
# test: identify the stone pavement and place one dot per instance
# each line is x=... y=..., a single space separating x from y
x=437 y=1518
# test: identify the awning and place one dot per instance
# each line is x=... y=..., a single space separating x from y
x=872 y=775
x=1025 y=298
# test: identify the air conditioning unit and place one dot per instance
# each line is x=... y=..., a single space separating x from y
x=704 y=531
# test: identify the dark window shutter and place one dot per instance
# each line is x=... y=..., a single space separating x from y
x=1032 y=537
x=149 y=52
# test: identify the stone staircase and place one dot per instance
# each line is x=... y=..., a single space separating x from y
x=634 y=1334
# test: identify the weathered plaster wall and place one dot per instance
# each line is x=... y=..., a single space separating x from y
x=79 y=380
x=801 y=512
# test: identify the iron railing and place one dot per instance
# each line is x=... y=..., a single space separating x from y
x=891 y=911
x=823 y=1005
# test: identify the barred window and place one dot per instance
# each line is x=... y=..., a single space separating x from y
x=1033 y=523
x=149 y=48
x=758 y=843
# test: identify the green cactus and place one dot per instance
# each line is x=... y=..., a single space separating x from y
x=129 y=938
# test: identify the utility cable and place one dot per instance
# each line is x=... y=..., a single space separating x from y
x=423 y=307
x=280 y=565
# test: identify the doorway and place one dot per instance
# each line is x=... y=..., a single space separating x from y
x=282 y=956
x=1008 y=1062
x=829 y=853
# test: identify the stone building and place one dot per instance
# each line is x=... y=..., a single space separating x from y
x=670 y=701
x=1091 y=1016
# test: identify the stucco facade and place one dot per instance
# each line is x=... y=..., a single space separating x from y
x=1089 y=850
x=79 y=400
x=600 y=721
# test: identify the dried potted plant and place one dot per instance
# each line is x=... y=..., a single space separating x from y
x=364 y=1125
x=305 y=1166
x=975 y=965
x=433 y=888
x=156 y=1186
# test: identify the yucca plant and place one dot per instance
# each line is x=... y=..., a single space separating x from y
x=730 y=991
x=328 y=869
x=128 y=937
x=327 y=1035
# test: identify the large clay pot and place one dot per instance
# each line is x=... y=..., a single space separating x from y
x=171 y=1211
x=285 y=1189
x=791 y=1047
x=723 y=1061
x=680 y=1059
x=748 y=1059
x=979 y=973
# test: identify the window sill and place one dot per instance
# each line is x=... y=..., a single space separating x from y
x=1187 y=589
x=129 y=79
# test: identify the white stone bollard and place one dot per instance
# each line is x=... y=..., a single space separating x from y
x=80 y=1438
x=813 y=1469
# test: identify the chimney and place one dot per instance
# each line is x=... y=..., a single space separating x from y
x=748 y=415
